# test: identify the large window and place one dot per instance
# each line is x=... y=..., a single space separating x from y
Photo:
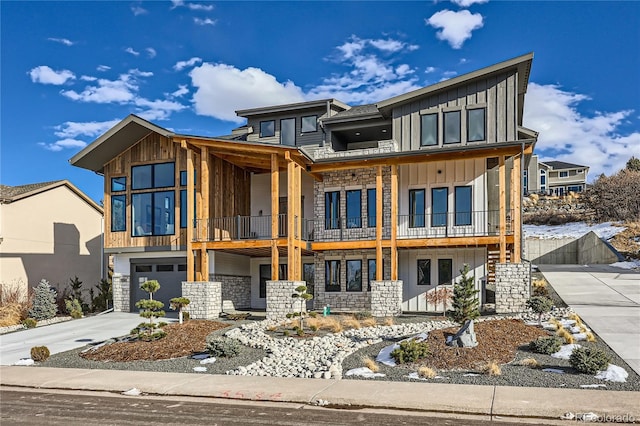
x=288 y=131
x=267 y=128
x=429 y=129
x=452 y=127
x=153 y=176
x=462 y=205
x=118 y=213
x=416 y=208
x=439 y=206
x=332 y=275
x=424 y=272
x=354 y=208
x=332 y=210
x=445 y=271
x=371 y=207
x=354 y=275
x=118 y=184
x=476 y=125
x=309 y=124
x=153 y=213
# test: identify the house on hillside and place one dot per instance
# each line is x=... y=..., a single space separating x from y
x=554 y=177
x=49 y=230
x=371 y=206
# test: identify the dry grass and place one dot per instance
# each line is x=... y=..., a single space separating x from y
x=331 y=324
x=491 y=368
x=529 y=362
x=591 y=337
x=10 y=314
x=566 y=336
x=14 y=305
x=388 y=321
x=369 y=322
x=427 y=372
x=576 y=318
x=351 y=323
x=558 y=324
x=371 y=364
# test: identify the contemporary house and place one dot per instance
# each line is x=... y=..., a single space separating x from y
x=368 y=205
x=554 y=177
x=49 y=230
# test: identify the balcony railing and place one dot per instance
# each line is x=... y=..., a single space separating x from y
x=451 y=224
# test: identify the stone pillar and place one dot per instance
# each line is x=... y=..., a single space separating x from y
x=386 y=298
x=512 y=287
x=121 y=288
x=205 y=299
x=279 y=300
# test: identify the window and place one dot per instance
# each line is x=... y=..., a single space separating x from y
x=184 y=208
x=153 y=213
x=416 y=208
x=354 y=275
x=308 y=275
x=332 y=275
x=118 y=213
x=476 y=125
x=445 y=271
x=164 y=268
x=371 y=208
x=439 y=206
x=354 y=208
x=118 y=184
x=288 y=131
x=371 y=271
x=424 y=272
x=452 y=127
x=429 y=129
x=332 y=210
x=265 y=275
x=267 y=128
x=462 y=205
x=543 y=180
x=144 y=268
x=152 y=176
x=564 y=174
x=309 y=123
x=574 y=188
x=183 y=177
x=182 y=267
x=525 y=180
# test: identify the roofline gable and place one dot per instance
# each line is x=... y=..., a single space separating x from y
x=273 y=109
x=57 y=184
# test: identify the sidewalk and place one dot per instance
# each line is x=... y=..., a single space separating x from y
x=607 y=299
x=488 y=402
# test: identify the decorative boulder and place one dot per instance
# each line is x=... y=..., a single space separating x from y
x=465 y=337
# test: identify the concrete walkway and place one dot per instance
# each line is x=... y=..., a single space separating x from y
x=607 y=299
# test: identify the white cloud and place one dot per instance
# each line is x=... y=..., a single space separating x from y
x=45 y=75
x=176 y=3
x=455 y=27
x=63 y=144
x=64 y=41
x=179 y=66
x=221 y=89
x=103 y=68
x=72 y=129
x=133 y=52
x=390 y=45
x=137 y=73
x=138 y=10
x=429 y=70
x=122 y=90
x=158 y=109
x=88 y=78
x=192 y=6
x=205 y=21
x=182 y=90
x=467 y=3
x=151 y=52
x=566 y=134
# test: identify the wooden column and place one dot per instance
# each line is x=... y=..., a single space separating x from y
x=502 y=183
x=394 y=222
x=204 y=210
x=299 y=207
x=190 y=187
x=379 y=219
x=275 y=203
x=516 y=197
x=291 y=259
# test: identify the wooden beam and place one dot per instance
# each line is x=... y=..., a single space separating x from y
x=238 y=244
x=275 y=202
x=205 y=163
x=290 y=219
x=299 y=207
x=379 y=219
x=190 y=213
x=452 y=242
x=503 y=207
x=516 y=219
x=343 y=245
x=394 y=222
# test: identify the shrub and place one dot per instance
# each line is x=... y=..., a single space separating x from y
x=351 y=323
x=369 y=322
x=566 y=336
x=439 y=295
x=303 y=296
x=186 y=316
x=616 y=197
x=465 y=298
x=313 y=314
x=149 y=309
x=285 y=333
x=223 y=347
x=362 y=315
x=29 y=323
x=388 y=321
x=529 y=362
x=427 y=372
x=540 y=305
x=371 y=364
x=74 y=308
x=491 y=368
x=540 y=288
x=546 y=345
x=313 y=328
x=410 y=351
x=299 y=332
x=44 y=302
x=589 y=360
x=40 y=353
x=179 y=303
x=105 y=294
x=76 y=292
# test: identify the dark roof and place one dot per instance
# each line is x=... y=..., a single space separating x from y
x=10 y=193
x=558 y=165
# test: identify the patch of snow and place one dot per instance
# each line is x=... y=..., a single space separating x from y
x=565 y=351
x=632 y=264
x=199 y=369
x=25 y=361
x=567 y=322
x=580 y=336
x=384 y=356
x=596 y=385
x=363 y=372
x=208 y=360
x=571 y=230
x=132 y=392
x=470 y=375
x=553 y=370
x=416 y=376
x=613 y=373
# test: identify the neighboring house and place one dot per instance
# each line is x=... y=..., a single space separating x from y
x=554 y=177
x=406 y=190
x=51 y=231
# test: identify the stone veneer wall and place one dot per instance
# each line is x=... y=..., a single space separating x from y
x=205 y=298
x=384 y=147
x=386 y=298
x=121 y=288
x=343 y=299
x=512 y=287
x=235 y=288
x=279 y=300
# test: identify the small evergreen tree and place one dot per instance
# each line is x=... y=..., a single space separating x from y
x=540 y=305
x=633 y=164
x=101 y=301
x=44 y=302
x=76 y=292
x=179 y=303
x=465 y=298
x=301 y=293
x=150 y=309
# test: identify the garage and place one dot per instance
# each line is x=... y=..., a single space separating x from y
x=169 y=272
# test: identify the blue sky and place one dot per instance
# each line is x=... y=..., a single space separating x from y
x=71 y=70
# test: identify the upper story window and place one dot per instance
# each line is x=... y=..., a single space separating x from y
x=153 y=213
x=564 y=174
x=118 y=213
x=288 y=131
x=267 y=128
x=462 y=205
x=525 y=180
x=439 y=206
x=332 y=210
x=309 y=124
x=416 y=208
x=476 y=124
x=371 y=207
x=428 y=129
x=118 y=184
x=451 y=126
x=354 y=208
x=149 y=176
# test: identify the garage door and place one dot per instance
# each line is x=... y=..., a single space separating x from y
x=169 y=272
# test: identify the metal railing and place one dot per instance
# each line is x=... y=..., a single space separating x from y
x=237 y=228
x=452 y=224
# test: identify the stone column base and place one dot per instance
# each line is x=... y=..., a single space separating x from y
x=279 y=300
x=512 y=287
x=205 y=299
x=386 y=298
x=121 y=287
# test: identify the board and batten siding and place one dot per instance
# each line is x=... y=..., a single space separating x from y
x=497 y=93
x=307 y=138
x=261 y=193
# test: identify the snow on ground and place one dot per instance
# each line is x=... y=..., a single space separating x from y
x=565 y=351
x=363 y=372
x=613 y=373
x=575 y=229
x=632 y=264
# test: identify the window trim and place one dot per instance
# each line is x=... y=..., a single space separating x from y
x=371 y=224
x=484 y=124
x=563 y=174
x=152 y=213
x=315 y=123
x=440 y=280
x=435 y=224
x=264 y=135
x=152 y=166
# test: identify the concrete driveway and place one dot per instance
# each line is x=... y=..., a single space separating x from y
x=64 y=336
x=607 y=299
